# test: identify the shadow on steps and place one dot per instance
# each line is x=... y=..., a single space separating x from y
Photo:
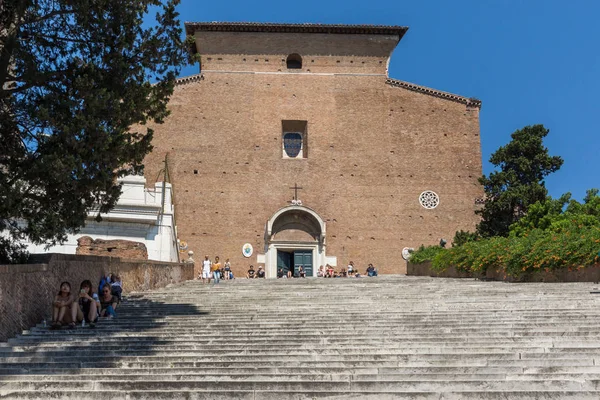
x=41 y=351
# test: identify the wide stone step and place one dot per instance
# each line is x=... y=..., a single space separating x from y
x=165 y=328
x=304 y=395
x=290 y=323
x=369 y=354
x=541 y=363
x=329 y=377
x=292 y=371
x=311 y=385
x=406 y=341
x=287 y=348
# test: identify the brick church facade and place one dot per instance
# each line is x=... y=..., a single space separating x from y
x=382 y=164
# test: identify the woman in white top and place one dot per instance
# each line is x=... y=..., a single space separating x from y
x=206 y=264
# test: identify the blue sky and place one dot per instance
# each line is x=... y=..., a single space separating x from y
x=529 y=61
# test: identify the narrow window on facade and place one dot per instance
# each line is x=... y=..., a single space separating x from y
x=292 y=144
x=293 y=139
x=294 y=61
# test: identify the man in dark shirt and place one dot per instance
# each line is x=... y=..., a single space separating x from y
x=280 y=273
x=251 y=272
x=261 y=272
x=371 y=271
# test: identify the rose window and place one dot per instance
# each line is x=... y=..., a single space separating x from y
x=429 y=199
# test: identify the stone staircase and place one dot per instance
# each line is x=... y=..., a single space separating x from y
x=389 y=337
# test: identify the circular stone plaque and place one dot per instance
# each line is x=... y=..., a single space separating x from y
x=247 y=250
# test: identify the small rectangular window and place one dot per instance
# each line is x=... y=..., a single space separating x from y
x=294 y=139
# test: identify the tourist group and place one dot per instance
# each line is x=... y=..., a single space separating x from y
x=217 y=271
x=86 y=306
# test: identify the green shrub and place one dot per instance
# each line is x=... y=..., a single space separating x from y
x=572 y=245
x=461 y=237
x=550 y=236
x=423 y=254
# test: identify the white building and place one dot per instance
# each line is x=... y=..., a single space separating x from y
x=139 y=216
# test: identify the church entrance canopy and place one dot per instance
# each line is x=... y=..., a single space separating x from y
x=295 y=236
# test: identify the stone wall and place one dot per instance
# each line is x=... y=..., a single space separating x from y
x=587 y=274
x=111 y=248
x=27 y=290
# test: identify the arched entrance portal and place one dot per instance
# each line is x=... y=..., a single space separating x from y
x=295 y=236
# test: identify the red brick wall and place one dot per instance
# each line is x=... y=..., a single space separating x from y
x=321 y=53
x=373 y=149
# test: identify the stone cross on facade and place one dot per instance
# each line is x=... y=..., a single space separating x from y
x=296 y=201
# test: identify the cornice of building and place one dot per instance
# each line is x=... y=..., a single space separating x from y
x=192 y=27
x=469 y=102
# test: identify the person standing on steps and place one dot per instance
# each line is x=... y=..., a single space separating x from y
x=350 y=268
x=206 y=264
x=216 y=268
x=227 y=270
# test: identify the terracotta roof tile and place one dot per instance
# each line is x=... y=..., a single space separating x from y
x=192 y=27
x=189 y=79
x=471 y=102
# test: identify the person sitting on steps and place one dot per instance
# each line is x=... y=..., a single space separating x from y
x=301 y=272
x=321 y=272
x=63 y=307
x=89 y=304
x=251 y=272
x=116 y=287
x=280 y=273
x=260 y=273
x=371 y=271
x=108 y=303
x=329 y=273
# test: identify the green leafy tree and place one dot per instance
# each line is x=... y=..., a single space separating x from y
x=590 y=205
x=461 y=237
x=540 y=215
x=75 y=95
x=517 y=182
